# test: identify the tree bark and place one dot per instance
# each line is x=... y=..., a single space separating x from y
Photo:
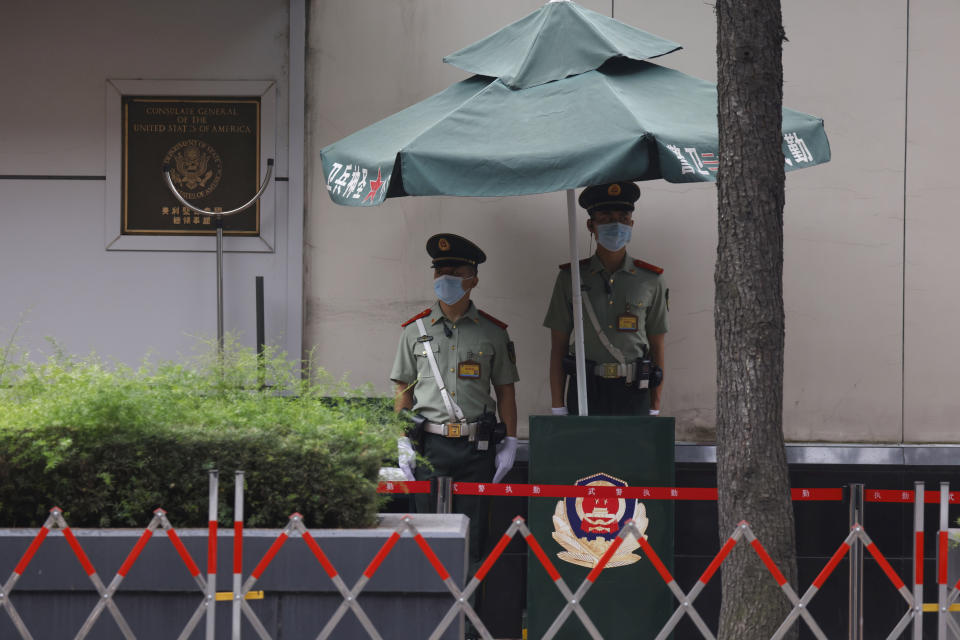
x=749 y=322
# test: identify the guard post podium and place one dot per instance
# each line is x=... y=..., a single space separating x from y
x=629 y=599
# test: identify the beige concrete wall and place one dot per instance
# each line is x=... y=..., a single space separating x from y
x=932 y=229
x=57 y=277
x=844 y=221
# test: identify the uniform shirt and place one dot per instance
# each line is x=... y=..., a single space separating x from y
x=630 y=290
x=478 y=353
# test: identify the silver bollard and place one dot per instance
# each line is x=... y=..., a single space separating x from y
x=212 y=556
x=237 y=555
x=918 y=504
x=855 y=497
x=444 y=489
x=942 y=586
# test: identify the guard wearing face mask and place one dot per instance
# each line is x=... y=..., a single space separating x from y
x=625 y=304
x=449 y=357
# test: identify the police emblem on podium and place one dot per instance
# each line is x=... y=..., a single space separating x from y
x=586 y=526
x=608 y=458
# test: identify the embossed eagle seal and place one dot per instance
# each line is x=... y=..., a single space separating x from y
x=196 y=167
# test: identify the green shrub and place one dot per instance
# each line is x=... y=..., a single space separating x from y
x=109 y=444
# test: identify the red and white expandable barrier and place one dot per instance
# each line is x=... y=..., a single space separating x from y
x=56 y=522
x=208 y=586
x=946 y=601
x=945 y=596
x=295 y=526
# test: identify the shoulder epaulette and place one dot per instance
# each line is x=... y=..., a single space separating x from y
x=502 y=325
x=422 y=314
x=649 y=267
x=566 y=265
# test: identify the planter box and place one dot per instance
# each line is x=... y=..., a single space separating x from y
x=405 y=598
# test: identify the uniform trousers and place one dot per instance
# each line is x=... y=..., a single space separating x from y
x=609 y=397
x=459 y=459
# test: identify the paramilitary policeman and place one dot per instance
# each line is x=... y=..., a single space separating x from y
x=625 y=303
x=448 y=358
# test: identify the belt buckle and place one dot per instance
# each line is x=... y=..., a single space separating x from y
x=610 y=370
x=453 y=430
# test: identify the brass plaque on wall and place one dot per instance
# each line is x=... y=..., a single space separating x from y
x=212 y=146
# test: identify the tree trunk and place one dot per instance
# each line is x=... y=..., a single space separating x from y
x=751 y=460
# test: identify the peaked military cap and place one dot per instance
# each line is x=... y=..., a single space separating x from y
x=617 y=196
x=451 y=249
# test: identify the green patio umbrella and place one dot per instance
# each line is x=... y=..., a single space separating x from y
x=563 y=98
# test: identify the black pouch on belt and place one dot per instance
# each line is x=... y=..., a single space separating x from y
x=486 y=425
x=499 y=432
x=644 y=371
x=416 y=429
x=656 y=376
x=570 y=365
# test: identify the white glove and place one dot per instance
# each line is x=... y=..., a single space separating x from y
x=407 y=458
x=506 y=454
x=559 y=411
x=654 y=412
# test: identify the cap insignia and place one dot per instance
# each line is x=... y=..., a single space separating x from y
x=613 y=190
x=443 y=244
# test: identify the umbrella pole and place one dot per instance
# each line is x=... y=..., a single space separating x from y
x=577 y=305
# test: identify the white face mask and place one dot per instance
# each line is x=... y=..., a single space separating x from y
x=613 y=236
x=449 y=289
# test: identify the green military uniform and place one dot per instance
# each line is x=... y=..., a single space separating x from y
x=471 y=354
x=630 y=305
x=478 y=353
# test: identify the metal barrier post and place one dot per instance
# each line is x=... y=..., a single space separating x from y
x=918 y=503
x=444 y=488
x=855 y=624
x=237 y=554
x=942 y=541
x=212 y=556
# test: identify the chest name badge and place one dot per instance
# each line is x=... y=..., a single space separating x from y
x=468 y=370
x=627 y=322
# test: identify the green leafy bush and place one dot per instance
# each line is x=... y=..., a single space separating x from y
x=109 y=444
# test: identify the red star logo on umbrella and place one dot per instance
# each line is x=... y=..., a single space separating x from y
x=374 y=187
